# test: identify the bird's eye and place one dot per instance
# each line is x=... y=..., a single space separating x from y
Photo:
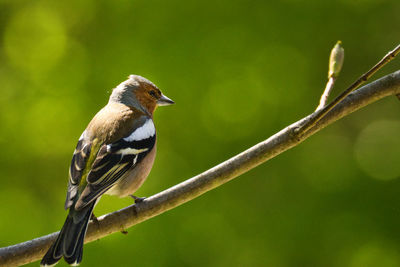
x=152 y=93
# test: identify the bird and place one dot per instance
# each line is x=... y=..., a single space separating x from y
x=114 y=155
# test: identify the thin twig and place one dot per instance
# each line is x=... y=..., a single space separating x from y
x=336 y=59
x=33 y=250
x=325 y=95
x=322 y=112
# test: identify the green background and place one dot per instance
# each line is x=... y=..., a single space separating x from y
x=238 y=71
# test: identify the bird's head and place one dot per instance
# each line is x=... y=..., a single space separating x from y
x=140 y=93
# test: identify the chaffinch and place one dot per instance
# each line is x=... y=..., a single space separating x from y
x=114 y=155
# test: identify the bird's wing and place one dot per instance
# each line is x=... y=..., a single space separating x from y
x=114 y=160
x=77 y=167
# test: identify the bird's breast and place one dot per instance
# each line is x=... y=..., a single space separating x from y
x=134 y=178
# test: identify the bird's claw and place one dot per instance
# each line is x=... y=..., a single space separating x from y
x=138 y=199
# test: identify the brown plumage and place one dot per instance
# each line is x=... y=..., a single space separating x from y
x=113 y=122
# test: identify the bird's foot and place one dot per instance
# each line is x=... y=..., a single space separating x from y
x=124 y=232
x=138 y=199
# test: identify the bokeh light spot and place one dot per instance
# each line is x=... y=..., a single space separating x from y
x=233 y=104
x=377 y=149
x=69 y=75
x=35 y=39
x=376 y=254
x=229 y=106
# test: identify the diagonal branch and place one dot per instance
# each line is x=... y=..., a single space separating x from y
x=177 y=195
x=321 y=113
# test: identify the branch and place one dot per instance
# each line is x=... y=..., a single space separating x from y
x=177 y=195
x=322 y=112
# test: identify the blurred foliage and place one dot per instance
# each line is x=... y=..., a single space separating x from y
x=239 y=71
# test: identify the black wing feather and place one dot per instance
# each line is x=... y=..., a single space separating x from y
x=78 y=164
x=111 y=164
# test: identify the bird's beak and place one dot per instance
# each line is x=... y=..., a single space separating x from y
x=164 y=101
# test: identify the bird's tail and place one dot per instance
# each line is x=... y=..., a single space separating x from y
x=69 y=243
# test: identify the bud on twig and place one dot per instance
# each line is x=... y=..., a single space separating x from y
x=335 y=65
x=336 y=60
